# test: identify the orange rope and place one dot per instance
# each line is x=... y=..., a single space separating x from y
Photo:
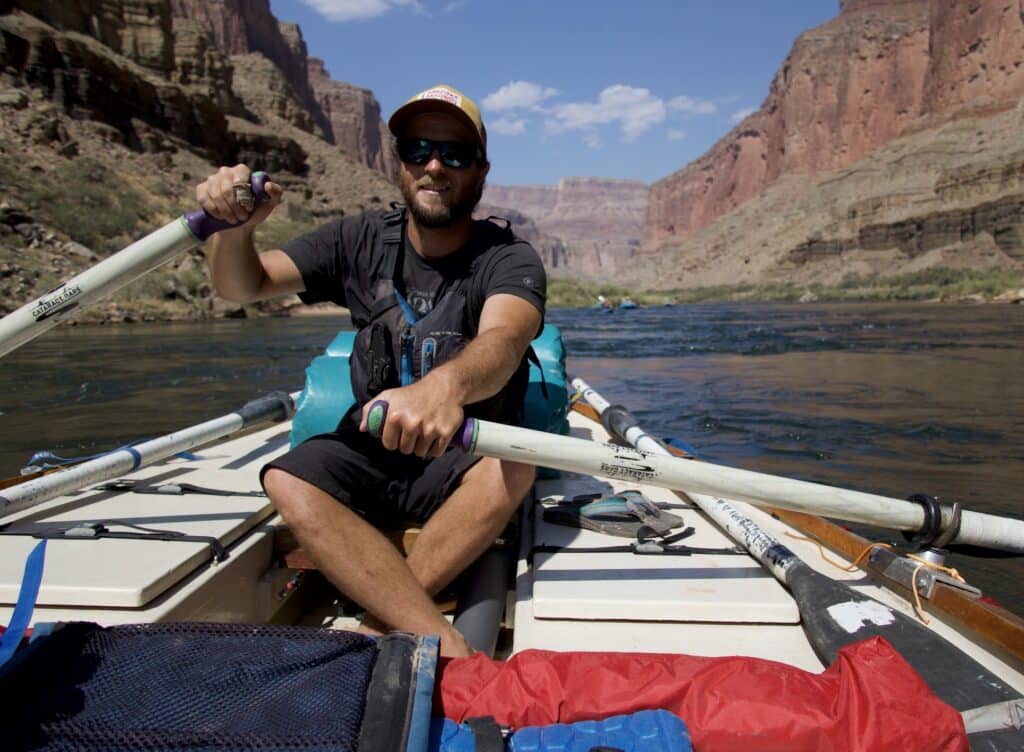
x=922 y=564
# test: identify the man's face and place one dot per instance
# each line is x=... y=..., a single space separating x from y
x=437 y=195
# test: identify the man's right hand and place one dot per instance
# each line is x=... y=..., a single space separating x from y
x=216 y=195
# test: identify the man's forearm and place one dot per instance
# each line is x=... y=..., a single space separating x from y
x=482 y=368
x=235 y=268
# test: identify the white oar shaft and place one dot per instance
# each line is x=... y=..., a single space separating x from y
x=773 y=556
x=577 y=455
x=119 y=462
x=141 y=257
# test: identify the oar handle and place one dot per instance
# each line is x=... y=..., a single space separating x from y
x=464 y=438
x=203 y=225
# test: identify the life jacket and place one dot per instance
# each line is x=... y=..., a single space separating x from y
x=397 y=348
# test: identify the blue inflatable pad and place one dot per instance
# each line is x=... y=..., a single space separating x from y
x=449 y=736
x=643 y=731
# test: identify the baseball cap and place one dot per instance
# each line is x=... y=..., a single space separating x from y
x=441 y=98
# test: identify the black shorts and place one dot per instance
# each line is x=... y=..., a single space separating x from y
x=388 y=488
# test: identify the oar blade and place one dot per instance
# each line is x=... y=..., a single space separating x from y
x=835 y=615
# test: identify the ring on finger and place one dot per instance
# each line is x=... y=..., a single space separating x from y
x=243 y=195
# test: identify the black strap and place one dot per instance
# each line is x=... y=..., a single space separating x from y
x=644 y=546
x=97 y=530
x=393 y=243
x=531 y=355
x=487 y=735
x=172 y=489
x=641 y=548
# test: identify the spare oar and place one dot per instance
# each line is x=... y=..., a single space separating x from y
x=128 y=264
x=644 y=466
x=832 y=613
x=275 y=406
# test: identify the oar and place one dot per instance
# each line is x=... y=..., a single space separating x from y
x=833 y=614
x=275 y=406
x=128 y=264
x=645 y=466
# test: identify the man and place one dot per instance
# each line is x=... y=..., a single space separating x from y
x=446 y=308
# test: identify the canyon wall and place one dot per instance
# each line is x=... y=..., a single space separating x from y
x=598 y=220
x=939 y=81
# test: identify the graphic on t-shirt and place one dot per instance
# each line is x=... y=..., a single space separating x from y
x=421 y=301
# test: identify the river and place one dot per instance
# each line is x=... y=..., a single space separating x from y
x=887 y=398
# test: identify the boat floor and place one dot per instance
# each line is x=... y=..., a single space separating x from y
x=708 y=604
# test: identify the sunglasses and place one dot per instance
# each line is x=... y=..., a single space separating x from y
x=418 y=151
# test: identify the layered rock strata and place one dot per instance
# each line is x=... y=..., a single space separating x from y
x=599 y=220
x=880 y=72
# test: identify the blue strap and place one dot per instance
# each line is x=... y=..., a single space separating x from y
x=47 y=460
x=26 y=602
x=407 y=341
x=680 y=444
x=410 y=315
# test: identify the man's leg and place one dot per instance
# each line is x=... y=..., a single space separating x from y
x=468 y=522
x=359 y=560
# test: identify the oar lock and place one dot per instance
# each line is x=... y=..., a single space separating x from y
x=931 y=536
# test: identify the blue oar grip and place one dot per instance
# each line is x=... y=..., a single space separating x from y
x=464 y=438
x=203 y=225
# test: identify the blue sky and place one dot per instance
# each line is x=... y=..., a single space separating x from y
x=568 y=88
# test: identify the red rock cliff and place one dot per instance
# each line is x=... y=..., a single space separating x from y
x=848 y=87
x=342 y=114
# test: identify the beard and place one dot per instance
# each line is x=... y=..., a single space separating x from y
x=464 y=201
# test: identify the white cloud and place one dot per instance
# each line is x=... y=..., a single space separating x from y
x=454 y=5
x=508 y=126
x=692 y=105
x=675 y=134
x=592 y=140
x=360 y=10
x=518 y=95
x=633 y=110
x=741 y=114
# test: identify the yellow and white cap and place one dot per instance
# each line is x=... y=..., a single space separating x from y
x=441 y=98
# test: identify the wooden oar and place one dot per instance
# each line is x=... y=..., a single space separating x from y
x=1001 y=631
x=644 y=465
x=833 y=614
x=274 y=406
x=128 y=264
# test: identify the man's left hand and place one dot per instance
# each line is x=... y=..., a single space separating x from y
x=421 y=418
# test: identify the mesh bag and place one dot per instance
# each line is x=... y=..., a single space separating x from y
x=187 y=687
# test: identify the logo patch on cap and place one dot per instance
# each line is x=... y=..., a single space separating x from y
x=443 y=94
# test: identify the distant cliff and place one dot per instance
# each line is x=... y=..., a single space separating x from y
x=940 y=81
x=599 y=220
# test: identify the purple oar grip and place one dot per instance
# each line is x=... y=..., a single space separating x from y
x=203 y=225
x=464 y=438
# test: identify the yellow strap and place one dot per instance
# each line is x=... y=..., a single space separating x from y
x=922 y=564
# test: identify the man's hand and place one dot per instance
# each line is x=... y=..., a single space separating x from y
x=422 y=418
x=217 y=195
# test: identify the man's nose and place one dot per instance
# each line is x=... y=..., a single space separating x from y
x=434 y=164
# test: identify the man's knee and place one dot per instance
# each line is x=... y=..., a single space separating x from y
x=504 y=483
x=519 y=479
x=289 y=495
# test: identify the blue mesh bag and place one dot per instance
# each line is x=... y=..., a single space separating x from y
x=213 y=687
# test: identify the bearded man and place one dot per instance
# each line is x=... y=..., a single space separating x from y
x=445 y=307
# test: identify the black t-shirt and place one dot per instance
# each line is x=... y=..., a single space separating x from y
x=342 y=260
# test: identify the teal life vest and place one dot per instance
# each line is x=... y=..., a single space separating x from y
x=328 y=395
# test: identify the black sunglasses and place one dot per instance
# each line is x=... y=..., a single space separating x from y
x=418 y=151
